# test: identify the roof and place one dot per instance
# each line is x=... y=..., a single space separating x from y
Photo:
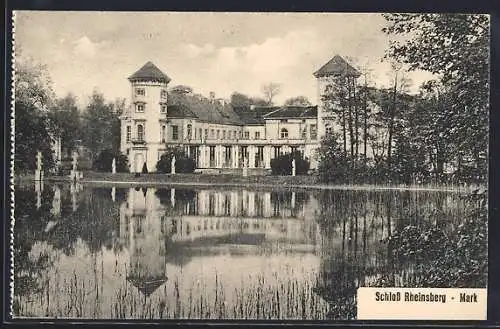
x=297 y=112
x=149 y=72
x=336 y=65
x=203 y=109
x=179 y=111
x=254 y=115
x=145 y=285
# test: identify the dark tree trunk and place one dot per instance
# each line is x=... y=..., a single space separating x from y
x=365 y=122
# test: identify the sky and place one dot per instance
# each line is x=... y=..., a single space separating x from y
x=219 y=52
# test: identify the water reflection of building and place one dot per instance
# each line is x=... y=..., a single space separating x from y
x=186 y=218
x=142 y=231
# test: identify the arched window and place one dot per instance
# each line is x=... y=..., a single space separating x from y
x=189 y=131
x=328 y=129
x=140 y=132
x=284 y=133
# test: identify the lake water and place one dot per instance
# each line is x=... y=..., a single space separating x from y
x=218 y=253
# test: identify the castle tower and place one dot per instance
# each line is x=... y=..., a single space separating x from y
x=327 y=75
x=143 y=125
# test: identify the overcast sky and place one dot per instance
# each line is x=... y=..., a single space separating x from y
x=220 y=52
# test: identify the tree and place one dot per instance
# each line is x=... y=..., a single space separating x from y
x=455 y=47
x=66 y=118
x=298 y=101
x=33 y=128
x=270 y=90
x=101 y=124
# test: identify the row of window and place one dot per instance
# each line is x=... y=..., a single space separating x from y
x=142 y=92
x=141 y=108
x=213 y=133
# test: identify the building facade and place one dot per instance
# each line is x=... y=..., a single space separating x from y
x=216 y=134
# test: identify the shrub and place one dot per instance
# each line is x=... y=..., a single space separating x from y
x=282 y=165
x=104 y=161
x=144 y=168
x=183 y=164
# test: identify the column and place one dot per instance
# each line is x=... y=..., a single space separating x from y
x=251 y=156
x=251 y=204
x=267 y=156
x=235 y=156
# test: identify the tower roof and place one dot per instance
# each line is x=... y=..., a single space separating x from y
x=336 y=65
x=146 y=285
x=149 y=72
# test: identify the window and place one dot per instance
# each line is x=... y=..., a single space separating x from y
x=140 y=133
x=277 y=151
x=239 y=134
x=257 y=135
x=163 y=93
x=234 y=134
x=139 y=108
x=129 y=133
x=212 y=133
x=259 y=157
x=163 y=128
x=189 y=130
x=206 y=133
x=313 y=132
x=212 y=156
x=284 y=120
x=163 y=108
x=140 y=91
x=218 y=133
x=284 y=133
x=223 y=134
x=175 y=133
x=200 y=132
x=247 y=135
x=328 y=129
x=304 y=132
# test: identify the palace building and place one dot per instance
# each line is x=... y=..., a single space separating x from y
x=213 y=132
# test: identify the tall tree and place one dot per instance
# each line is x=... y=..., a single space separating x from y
x=456 y=48
x=33 y=128
x=270 y=90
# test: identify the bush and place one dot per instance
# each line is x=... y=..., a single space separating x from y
x=282 y=165
x=183 y=164
x=104 y=161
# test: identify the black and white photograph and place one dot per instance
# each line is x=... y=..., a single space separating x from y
x=247 y=165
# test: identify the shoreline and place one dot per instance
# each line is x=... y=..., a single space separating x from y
x=233 y=181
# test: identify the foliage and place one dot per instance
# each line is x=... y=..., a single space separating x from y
x=66 y=118
x=102 y=125
x=183 y=163
x=459 y=259
x=104 y=161
x=282 y=165
x=456 y=48
x=33 y=128
x=242 y=100
x=298 y=101
x=334 y=164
